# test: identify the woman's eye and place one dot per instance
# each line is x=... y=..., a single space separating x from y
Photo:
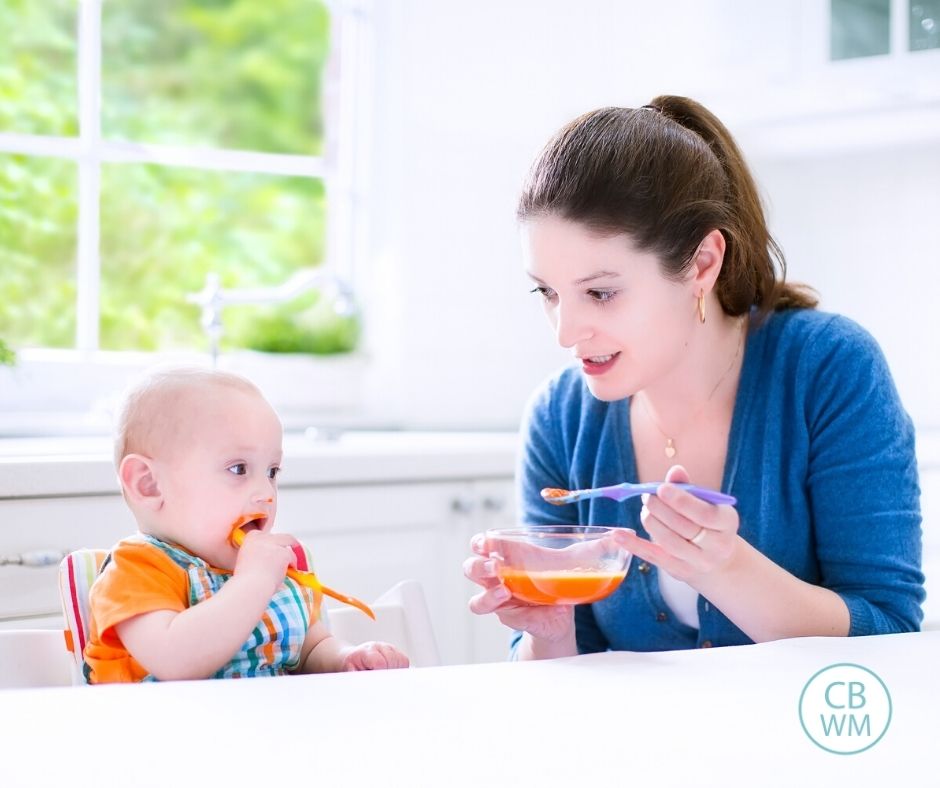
x=273 y=472
x=546 y=292
x=239 y=468
x=602 y=296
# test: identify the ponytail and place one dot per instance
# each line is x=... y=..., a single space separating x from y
x=754 y=268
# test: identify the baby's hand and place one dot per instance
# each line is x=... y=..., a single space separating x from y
x=373 y=656
x=265 y=557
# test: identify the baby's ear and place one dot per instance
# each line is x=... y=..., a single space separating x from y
x=140 y=482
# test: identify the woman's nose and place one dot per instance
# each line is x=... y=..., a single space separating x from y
x=570 y=326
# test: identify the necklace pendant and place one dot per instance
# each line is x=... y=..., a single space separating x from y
x=670 y=450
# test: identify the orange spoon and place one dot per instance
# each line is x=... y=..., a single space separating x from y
x=308 y=579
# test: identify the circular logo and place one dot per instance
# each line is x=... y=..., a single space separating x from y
x=845 y=708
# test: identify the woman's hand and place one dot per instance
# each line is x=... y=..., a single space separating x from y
x=553 y=623
x=690 y=538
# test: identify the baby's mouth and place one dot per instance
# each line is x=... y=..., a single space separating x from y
x=249 y=522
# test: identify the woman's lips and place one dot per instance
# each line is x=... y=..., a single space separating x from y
x=598 y=365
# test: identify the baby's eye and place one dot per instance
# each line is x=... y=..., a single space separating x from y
x=602 y=296
x=546 y=292
x=273 y=471
x=239 y=468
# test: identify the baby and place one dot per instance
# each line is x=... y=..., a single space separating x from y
x=198 y=451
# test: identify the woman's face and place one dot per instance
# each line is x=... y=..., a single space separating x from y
x=609 y=304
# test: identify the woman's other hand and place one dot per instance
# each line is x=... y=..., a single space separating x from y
x=553 y=623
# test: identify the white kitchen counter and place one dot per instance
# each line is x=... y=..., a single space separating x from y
x=722 y=717
x=34 y=467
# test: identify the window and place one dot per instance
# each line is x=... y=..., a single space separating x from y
x=924 y=25
x=867 y=28
x=147 y=147
x=860 y=28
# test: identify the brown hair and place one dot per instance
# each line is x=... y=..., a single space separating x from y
x=666 y=174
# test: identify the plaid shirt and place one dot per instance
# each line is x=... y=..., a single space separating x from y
x=273 y=648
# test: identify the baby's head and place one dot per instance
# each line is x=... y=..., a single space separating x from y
x=197 y=450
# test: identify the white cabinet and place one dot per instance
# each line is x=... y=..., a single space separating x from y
x=785 y=96
x=29 y=595
x=480 y=506
x=365 y=538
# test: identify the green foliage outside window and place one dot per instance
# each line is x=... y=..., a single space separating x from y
x=309 y=324
x=7 y=356
x=38 y=211
x=233 y=74
x=38 y=87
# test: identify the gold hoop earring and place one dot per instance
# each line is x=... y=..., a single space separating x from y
x=701 y=306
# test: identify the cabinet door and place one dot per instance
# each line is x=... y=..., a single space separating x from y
x=35 y=622
x=488 y=504
x=365 y=539
x=54 y=524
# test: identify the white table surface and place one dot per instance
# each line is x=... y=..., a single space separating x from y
x=711 y=717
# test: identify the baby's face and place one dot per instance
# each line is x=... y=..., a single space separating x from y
x=218 y=468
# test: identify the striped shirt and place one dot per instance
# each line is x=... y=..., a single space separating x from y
x=143 y=574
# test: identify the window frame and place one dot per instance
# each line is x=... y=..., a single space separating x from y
x=342 y=168
x=900 y=58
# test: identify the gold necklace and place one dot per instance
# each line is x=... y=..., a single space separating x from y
x=670 y=450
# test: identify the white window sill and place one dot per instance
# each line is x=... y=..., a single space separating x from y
x=61 y=392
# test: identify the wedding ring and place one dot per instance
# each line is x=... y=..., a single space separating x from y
x=697 y=539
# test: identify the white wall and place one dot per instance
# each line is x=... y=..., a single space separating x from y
x=863 y=229
x=466 y=94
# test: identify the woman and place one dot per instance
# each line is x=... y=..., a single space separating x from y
x=648 y=245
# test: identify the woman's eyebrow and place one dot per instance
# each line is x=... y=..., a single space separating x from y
x=598 y=275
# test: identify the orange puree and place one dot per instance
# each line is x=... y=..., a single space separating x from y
x=560 y=587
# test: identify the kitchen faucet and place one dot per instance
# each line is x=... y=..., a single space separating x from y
x=213 y=298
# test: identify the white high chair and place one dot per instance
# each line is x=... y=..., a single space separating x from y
x=401 y=618
x=77 y=572
x=33 y=658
